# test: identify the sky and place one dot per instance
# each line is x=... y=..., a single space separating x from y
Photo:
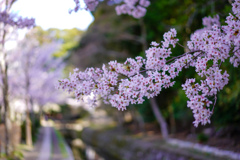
x=53 y=13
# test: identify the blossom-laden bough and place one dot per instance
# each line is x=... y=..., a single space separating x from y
x=123 y=84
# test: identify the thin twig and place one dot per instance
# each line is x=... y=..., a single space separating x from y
x=181 y=45
x=214 y=103
x=201 y=52
x=183 y=55
x=236 y=50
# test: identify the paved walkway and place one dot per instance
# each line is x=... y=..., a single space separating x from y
x=48 y=147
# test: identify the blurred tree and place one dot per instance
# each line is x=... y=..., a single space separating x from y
x=9 y=24
x=68 y=38
x=37 y=71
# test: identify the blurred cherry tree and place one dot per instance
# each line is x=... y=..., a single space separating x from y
x=9 y=24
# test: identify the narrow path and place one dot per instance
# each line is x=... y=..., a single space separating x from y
x=55 y=149
x=48 y=147
x=45 y=150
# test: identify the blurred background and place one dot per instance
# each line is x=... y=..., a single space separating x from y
x=46 y=54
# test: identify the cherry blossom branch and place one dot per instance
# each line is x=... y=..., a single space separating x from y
x=214 y=44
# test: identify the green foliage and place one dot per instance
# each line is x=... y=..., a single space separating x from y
x=69 y=38
x=228 y=105
x=14 y=155
x=61 y=144
x=145 y=111
x=202 y=138
x=35 y=128
x=73 y=113
x=179 y=103
x=184 y=15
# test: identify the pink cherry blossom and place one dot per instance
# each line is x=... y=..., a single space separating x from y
x=122 y=84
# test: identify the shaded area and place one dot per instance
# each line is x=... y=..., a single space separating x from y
x=110 y=37
x=113 y=144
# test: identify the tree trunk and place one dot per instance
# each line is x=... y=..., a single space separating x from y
x=6 y=118
x=159 y=117
x=28 y=130
x=7 y=129
x=4 y=72
x=27 y=102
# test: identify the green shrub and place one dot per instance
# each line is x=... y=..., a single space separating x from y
x=201 y=137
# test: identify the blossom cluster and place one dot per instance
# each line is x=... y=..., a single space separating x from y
x=8 y=18
x=32 y=73
x=135 y=8
x=90 y=5
x=216 y=44
x=18 y=21
x=128 y=83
